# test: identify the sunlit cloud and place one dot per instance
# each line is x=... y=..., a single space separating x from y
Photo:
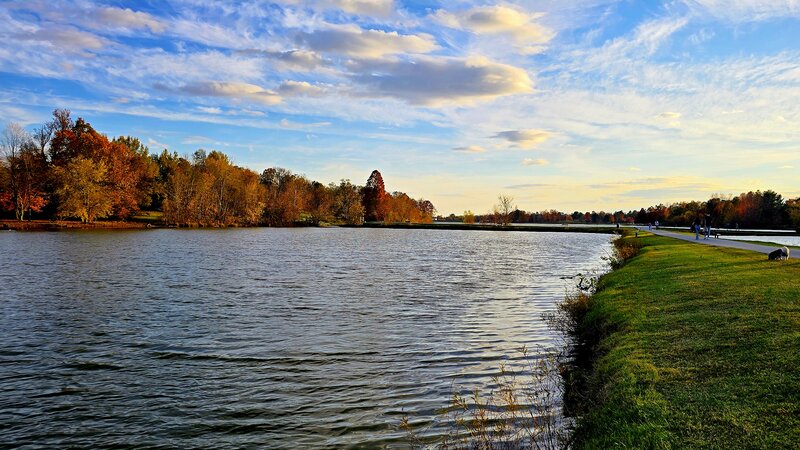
x=240 y=91
x=526 y=139
x=470 y=149
x=295 y=88
x=534 y=162
x=377 y=8
x=500 y=19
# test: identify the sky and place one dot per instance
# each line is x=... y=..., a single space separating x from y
x=573 y=105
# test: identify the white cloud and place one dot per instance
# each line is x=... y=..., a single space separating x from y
x=534 y=162
x=297 y=88
x=127 y=18
x=670 y=115
x=437 y=81
x=162 y=66
x=209 y=109
x=742 y=11
x=235 y=90
x=350 y=40
x=362 y=7
x=286 y=123
x=642 y=43
x=499 y=19
x=66 y=38
x=470 y=149
x=375 y=8
x=524 y=138
x=291 y=60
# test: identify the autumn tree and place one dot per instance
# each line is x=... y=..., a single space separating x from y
x=502 y=211
x=83 y=193
x=320 y=203
x=347 y=206
x=793 y=211
x=469 y=217
x=24 y=170
x=286 y=196
x=374 y=198
x=427 y=210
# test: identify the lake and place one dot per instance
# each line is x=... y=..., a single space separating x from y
x=280 y=338
x=783 y=240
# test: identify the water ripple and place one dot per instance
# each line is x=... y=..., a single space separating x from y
x=312 y=338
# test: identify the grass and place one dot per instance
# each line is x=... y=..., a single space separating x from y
x=148 y=216
x=520 y=412
x=694 y=347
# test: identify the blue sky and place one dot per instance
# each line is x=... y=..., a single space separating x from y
x=573 y=105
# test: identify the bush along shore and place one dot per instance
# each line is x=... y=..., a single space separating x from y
x=685 y=346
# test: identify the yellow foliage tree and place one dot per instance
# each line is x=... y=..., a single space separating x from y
x=83 y=193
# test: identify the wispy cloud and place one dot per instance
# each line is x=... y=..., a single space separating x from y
x=286 y=123
x=534 y=162
x=470 y=149
x=351 y=40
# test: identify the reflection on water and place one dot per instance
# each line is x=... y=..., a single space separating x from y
x=281 y=337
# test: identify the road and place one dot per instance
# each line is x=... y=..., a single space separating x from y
x=794 y=254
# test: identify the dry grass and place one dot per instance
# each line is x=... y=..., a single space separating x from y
x=521 y=412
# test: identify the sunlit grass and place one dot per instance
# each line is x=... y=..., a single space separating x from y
x=698 y=348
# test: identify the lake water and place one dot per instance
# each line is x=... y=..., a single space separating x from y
x=280 y=338
x=783 y=240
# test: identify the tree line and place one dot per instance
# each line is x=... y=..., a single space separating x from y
x=66 y=169
x=758 y=209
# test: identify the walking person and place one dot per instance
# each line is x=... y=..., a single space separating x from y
x=696 y=231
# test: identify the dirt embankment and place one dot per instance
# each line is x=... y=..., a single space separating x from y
x=45 y=225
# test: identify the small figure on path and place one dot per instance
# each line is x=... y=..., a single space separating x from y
x=656 y=224
x=696 y=231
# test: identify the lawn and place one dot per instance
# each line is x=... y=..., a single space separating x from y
x=700 y=348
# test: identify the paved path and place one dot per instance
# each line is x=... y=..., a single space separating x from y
x=794 y=254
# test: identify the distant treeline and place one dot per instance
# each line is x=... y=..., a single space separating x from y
x=66 y=169
x=758 y=209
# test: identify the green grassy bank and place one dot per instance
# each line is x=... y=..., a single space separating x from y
x=696 y=347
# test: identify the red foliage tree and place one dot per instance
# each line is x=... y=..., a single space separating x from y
x=374 y=198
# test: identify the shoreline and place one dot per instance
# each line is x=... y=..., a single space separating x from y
x=134 y=224
x=60 y=225
x=690 y=346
